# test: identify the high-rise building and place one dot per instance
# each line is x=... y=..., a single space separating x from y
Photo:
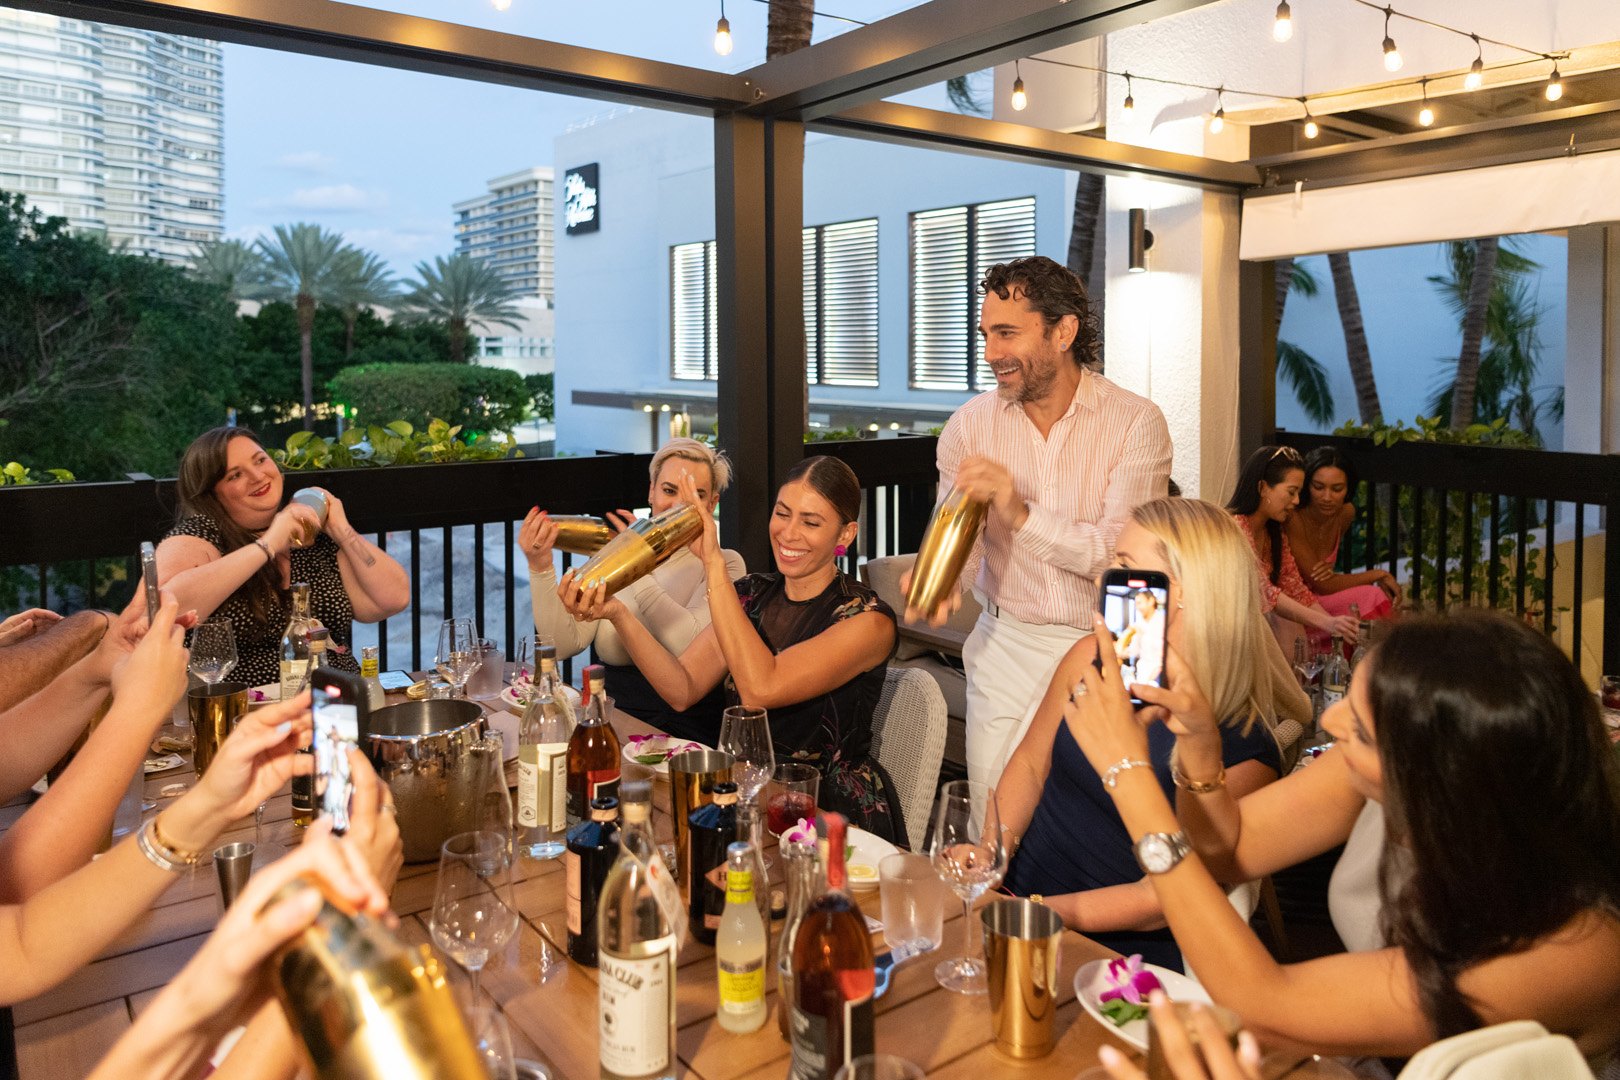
x=119 y=131
x=509 y=227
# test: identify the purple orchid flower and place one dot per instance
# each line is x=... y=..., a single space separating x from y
x=802 y=833
x=1130 y=981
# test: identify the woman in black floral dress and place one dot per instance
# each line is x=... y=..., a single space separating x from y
x=231 y=554
x=807 y=642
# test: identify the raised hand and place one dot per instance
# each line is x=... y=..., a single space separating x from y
x=258 y=757
x=153 y=671
x=537 y=537
x=591 y=603
x=707 y=545
x=988 y=481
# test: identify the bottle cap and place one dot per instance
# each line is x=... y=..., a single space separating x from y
x=368 y=652
x=725 y=793
x=545 y=652
x=636 y=797
x=604 y=808
x=595 y=674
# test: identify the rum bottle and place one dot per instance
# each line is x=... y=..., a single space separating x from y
x=712 y=831
x=833 y=981
x=637 y=939
x=592 y=846
x=593 y=752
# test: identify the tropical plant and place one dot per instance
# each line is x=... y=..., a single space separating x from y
x=300 y=268
x=1356 y=350
x=233 y=266
x=1475 y=303
x=466 y=395
x=360 y=282
x=394 y=443
x=964 y=95
x=542 y=389
x=1083 y=234
x=15 y=473
x=1305 y=375
x=460 y=291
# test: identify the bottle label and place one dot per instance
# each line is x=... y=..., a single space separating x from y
x=293 y=673
x=553 y=801
x=529 y=780
x=601 y=783
x=1332 y=695
x=742 y=986
x=816 y=1053
x=368 y=667
x=740 y=887
x=636 y=996
x=571 y=868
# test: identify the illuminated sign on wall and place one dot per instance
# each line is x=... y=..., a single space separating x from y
x=582 y=200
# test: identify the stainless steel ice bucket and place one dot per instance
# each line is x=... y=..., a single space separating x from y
x=423 y=752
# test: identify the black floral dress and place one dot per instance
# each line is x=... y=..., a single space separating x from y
x=258 y=644
x=832 y=731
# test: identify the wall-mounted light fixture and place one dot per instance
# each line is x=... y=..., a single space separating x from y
x=1141 y=240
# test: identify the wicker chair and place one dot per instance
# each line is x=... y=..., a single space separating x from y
x=908 y=740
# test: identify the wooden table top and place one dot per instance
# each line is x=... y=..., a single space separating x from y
x=61 y=1034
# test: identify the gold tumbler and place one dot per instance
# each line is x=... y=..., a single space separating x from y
x=692 y=776
x=580 y=534
x=945 y=548
x=1021 y=943
x=637 y=551
x=367 y=1007
x=214 y=711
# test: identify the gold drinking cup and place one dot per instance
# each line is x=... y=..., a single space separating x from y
x=214 y=711
x=945 y=549
x=637 y=551
x=1021 y=942
x=692 y=776
x=580 y=534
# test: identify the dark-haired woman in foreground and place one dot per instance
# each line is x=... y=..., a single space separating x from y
x=808 y=642
x=1491 y=877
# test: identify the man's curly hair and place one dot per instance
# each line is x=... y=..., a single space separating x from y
x=1055 y=291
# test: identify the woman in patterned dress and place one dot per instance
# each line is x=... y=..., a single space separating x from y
x=232 y=554
x=807 y=642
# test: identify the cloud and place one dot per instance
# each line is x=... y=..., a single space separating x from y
x=310 y=161
x=328 y=198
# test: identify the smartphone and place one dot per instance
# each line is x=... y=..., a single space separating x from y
x=339 y=710
x=1136 y=607
x=396 y=680
x=154 y=599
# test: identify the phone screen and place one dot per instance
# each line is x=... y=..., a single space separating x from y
x=396 y=680
x=337 y=731
x=1136 y=609
x=154 y=599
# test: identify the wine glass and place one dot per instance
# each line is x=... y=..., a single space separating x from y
x=970 y=855
x=474 y=913
x=493 y=807
x=213 y=651
x=458 y=655
x=745 y=734
x=492 y=1041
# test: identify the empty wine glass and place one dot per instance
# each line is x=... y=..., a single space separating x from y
x=493 y=809
x=458 y=655
x=745 y=734
x=970 y=855
x=492 y=1041
x=474 y=913
x=213 y=651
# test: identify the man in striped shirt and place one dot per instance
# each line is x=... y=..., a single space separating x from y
x=1061 y=455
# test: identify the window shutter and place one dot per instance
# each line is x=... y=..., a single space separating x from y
x=848 y=336
x=812 y=306
x=1002 y=232
x=711 y=358
x=692 y=329
x=939 y=302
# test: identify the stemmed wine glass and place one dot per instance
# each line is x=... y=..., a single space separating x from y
x=970 y=855
x=458 y=655
x=492 y=1041
x=745 y=734
x=213 y=651
x=474 y=911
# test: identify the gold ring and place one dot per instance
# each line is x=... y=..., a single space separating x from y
x=391 y=808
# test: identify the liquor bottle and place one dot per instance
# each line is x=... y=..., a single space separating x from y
x=303 y=785
x=833 y=981
x=748 y=821
x=741 y=946
x=542 y=810
x=593 y=844
x=546 y=656
x=1360 y=652
x=802 y=873
x=636 y=985
x=295 y=643
x=712 y=831
x=369 y=670
x=1335 y=675
x=593 y=752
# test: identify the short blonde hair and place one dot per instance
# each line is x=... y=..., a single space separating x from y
x=701 y=453
x=1227 y=642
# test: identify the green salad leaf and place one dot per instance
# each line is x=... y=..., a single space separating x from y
x=1122 y=1012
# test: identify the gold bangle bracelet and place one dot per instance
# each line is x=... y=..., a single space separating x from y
x=1197 y=787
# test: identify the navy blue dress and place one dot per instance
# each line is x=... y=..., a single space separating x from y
x=1076 y=840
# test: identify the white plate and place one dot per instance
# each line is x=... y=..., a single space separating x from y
x=1092 y=979
x=512 y=699
x=268 y=694
x=668 y=745
x=862 y=864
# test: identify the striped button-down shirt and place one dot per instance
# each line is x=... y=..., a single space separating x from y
x=1109 y=452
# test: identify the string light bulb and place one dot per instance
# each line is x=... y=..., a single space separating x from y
x=1312 y=130
x=1020 y=100
x=1392 y=55
x=1218 y=120
x=1130 y=102
x=1425 y=114
x=1555 y=84
x=722 y=33
x=1283 y=28
x=1476 y=71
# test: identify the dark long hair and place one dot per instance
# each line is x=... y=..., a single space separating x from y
x=201 y=467
x=832 y=480
x=1329 y=457
x=1269 y=464
x=1501 y=798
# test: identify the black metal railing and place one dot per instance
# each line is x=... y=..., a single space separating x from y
x=72 y=546
x=1487 y=526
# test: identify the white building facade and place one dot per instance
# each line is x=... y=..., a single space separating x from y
x=510 y=228
x=119 y=131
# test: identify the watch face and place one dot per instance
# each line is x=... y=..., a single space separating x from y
x=1156 y=853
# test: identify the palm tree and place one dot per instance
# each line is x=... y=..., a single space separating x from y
x=232 y=265
x=1481 y=282
x=1303 y=373
x=460 y=291
x=1355 y=338
x=300 y=268
x=360 y=281
x=1083 y=235
x=788 y=26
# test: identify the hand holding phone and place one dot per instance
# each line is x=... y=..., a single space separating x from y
x=1135 y=606
x=154 y=598
x=340 y=713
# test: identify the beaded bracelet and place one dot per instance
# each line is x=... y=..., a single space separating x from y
x=1111 y=777
x=160 y=854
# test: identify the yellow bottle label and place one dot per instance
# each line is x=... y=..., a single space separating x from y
x=742 y=986
x=368 y=667
x=739 y=887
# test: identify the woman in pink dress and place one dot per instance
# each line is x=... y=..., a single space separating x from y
x=1315 y=530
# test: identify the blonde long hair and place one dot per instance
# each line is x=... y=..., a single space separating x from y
x=1225 y=638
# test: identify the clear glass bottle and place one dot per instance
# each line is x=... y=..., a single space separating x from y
x=546 y=675
x=1360 y=652
x=295 y=658
x=801 y=870
x=593 y=752
x=1335 y=675
x=833 y=979
x=370 y=670
x=741 y=945
x=542 y=808
x=636 y=954
x=748 y=828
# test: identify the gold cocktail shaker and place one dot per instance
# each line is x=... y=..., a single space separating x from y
x=945 y=548
x=366 y=1007
x=580 y=534
x=637 y=551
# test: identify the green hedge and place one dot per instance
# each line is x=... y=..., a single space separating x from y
x=475 y=398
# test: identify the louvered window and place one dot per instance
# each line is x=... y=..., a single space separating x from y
x=694 y=335
x=950 y=251
x=841 y=303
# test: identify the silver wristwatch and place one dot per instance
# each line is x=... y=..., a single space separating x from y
x=1159 y=852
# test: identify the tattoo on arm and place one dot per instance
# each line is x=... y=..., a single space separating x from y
x=363 y=553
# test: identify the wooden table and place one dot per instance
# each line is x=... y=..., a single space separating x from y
x=62 y=1033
